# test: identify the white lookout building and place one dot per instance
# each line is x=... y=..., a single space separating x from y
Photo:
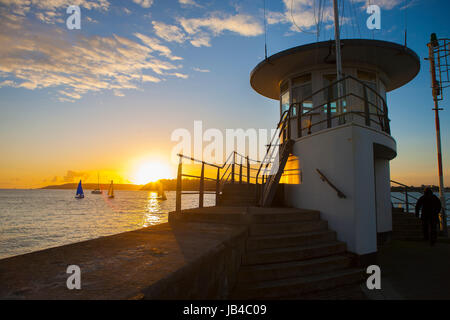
x=335 y=137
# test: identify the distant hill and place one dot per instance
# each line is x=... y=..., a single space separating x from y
x=168 y=185
x=92 y=186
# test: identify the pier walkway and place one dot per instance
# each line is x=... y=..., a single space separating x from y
x=166 y=261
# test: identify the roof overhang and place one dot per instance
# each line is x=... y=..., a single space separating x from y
x=399 y=63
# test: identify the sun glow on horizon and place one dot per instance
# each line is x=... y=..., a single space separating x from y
x=150 y=172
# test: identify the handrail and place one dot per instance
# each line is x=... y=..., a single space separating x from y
x=406 y=202
x=230 y=162
x=381 y=113
x=325 y=179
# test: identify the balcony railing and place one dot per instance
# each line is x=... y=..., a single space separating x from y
x=361 y=104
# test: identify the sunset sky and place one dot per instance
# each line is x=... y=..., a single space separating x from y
x=106 y=98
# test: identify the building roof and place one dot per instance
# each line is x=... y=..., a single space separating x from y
x=399 y=63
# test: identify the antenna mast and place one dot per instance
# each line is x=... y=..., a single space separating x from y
x=439 y=56
x=338 y=59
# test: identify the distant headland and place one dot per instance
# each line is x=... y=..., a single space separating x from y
x=168 y=185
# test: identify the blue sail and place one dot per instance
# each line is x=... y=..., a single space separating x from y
x=80 y=192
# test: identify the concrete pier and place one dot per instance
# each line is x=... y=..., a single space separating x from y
x=169 y=261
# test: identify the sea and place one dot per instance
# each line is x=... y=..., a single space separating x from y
x=37 y=219
x=32 y=220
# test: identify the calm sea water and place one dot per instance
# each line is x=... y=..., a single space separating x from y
x=33 y=220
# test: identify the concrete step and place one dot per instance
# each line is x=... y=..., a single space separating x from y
x=411 y=221
x=236 y=189
x=242 y=202
x=403 y=215
x=287 y=227
x=278 y=215
x=275 y=255
x=277 y=271
x=407 y=227
x=289 y=240
x=298 y=286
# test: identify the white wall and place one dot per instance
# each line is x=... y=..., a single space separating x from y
x=345 y=155
x=383 y=195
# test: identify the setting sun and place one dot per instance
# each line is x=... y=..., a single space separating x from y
x=151 y=172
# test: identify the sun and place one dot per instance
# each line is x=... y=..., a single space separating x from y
x=150 y=172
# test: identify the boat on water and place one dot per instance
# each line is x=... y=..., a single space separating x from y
x=98 y=190
x=80 y=192
x=161 y=194
x=111 y=190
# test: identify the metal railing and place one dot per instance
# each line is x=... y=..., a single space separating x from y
x=322 y=113
x=408 y=197
x=270 y=163
x=233 y=172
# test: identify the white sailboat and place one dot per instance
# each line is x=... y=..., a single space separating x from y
x=97 y=191
x=111 y=190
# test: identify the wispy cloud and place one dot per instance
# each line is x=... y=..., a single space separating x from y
x=242 y=24
x=144 y=3
x=168 y=32
x=34 y=56
x=200 y=70
x=48 y=11
x=199 y=31
x=383 y=4
x=301 y=15
x=189 y=3
x=156 y=45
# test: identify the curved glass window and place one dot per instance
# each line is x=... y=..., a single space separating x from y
x=301 y=93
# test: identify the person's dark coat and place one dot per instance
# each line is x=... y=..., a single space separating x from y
x=430 y=205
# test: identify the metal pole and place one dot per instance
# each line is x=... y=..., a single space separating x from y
x=435 y=87
x=338 y=59
x=179 y=186
x=202 y=186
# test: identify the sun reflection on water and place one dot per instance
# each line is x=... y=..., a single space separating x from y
x=153 y=210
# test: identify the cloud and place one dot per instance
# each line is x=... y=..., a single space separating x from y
x=200 y=70
x=155 y=45
x=241 y=24
x=302 y=15
x=35 y=56
x=49 y=11
x=168 y=32
x=89 y=19
x=179 y=75
x=72 y=176
x=383 y=4
x=189 y=3
x=148 y=78
x=144 y=3
x=201 y=40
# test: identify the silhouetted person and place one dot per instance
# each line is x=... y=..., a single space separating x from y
x=431 y=206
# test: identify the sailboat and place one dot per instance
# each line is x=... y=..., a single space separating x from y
x=161 y=193
x=111 y=190
x=80 y=193
x=97 y=191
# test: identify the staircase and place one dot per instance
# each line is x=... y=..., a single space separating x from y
x=237 y=195
x=406 y=226
x=270 y=187
x=291 y=253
